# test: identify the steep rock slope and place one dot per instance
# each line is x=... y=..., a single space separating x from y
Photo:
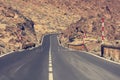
x=15 y=29
x=25 y=21
x=91 y=12
x=80 y=16
x=46 y=16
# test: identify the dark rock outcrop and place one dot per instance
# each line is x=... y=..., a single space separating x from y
x=29 y=45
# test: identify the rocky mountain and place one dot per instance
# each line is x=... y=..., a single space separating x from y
x=91 y=12
x=16 y=30
x=44 y=14
x=33 y=18
x=25 y=21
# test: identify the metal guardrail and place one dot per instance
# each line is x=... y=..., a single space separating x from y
x=107 y=46
x=82 y=45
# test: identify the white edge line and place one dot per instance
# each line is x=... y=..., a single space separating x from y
x=101 y=57
x=58 y=41
x=96 y=56
x=89 y=54
x=20 y=50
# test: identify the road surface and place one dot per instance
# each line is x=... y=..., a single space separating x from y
x=50 y=61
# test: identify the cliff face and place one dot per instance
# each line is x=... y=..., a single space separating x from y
x=15 y=29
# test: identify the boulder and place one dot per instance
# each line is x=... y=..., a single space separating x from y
x=29 y=45
x=2 y=44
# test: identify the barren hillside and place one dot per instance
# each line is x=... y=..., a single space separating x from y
x=44 y=14
x=47 y=16
x=15 y=29
x=91 y=12
x=34 y=17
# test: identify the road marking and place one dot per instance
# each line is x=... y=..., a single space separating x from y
x=50 y=62
x=50 y=76
x=50 y=67
x=19 y=68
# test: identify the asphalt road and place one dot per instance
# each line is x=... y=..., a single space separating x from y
x=50 y=61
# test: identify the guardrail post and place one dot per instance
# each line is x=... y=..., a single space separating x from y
x=102 y=51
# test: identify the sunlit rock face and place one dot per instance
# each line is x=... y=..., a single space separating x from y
x=91 y=12
x=33 y=18
x=15 y=29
